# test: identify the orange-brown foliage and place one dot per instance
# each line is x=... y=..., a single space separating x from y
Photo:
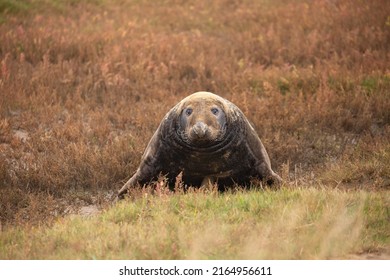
x=82 y=89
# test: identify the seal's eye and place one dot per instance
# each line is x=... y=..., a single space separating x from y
x=188 y=111
x=215 y=111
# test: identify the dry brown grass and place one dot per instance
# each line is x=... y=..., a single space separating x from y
x=83 y=87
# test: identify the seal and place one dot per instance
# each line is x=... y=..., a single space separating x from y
x=206 y=139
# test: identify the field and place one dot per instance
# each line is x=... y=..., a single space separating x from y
x=84 y=84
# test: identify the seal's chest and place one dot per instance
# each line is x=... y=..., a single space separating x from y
x=217 y=165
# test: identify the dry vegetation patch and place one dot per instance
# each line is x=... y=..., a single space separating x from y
x=84 y=84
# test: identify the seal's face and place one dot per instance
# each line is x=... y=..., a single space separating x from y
x=202 y=122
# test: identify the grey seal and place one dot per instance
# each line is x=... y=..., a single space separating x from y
x=207 y=139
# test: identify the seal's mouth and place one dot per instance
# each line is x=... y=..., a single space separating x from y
x=202 y=135
x=200 y=132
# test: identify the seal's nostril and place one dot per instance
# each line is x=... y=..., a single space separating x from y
x=200 y=129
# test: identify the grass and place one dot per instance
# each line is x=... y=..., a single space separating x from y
x=286 y=224
x=84 y=84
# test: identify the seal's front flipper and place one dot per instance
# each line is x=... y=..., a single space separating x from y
x=274 y=180
x=125 y=189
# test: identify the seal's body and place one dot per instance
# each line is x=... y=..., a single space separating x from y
x=207 y=139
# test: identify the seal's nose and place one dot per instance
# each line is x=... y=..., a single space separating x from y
x=200 y=129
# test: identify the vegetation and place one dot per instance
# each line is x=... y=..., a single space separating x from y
x=290 y=223
x=84 y=84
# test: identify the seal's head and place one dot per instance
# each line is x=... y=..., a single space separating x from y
x=202 y=119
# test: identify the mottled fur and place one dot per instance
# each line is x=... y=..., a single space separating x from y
x=208 y=139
